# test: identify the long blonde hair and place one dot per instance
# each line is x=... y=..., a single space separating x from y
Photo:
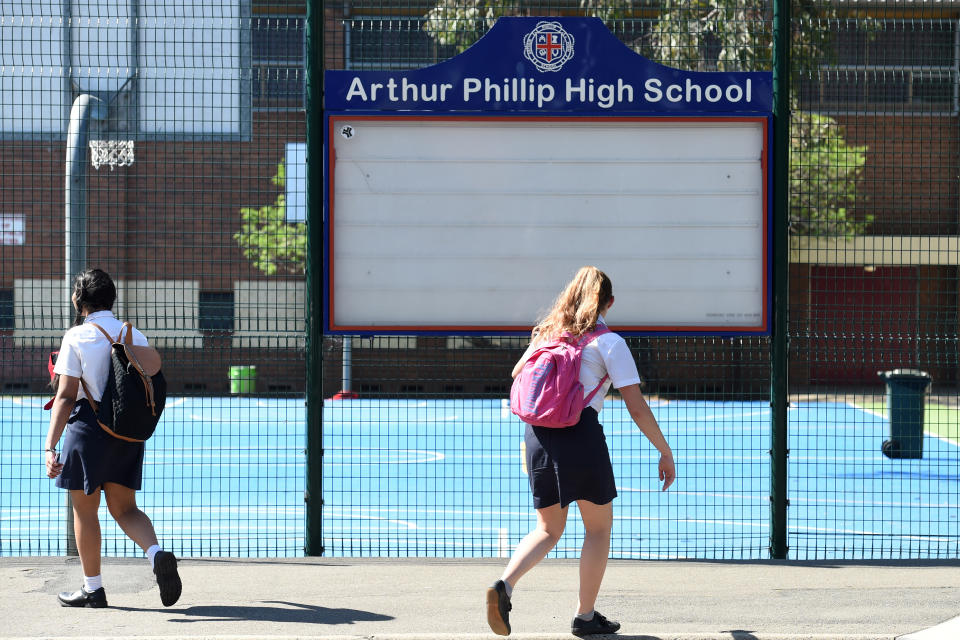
x=578 y=306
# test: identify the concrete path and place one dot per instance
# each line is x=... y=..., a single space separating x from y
x=421 y=599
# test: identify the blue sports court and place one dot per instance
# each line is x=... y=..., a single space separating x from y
x=225 y=476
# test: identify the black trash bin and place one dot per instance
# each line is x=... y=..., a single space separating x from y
x=906 y=391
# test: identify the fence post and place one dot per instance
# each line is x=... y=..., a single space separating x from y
x=781 y=274
x=313 y=535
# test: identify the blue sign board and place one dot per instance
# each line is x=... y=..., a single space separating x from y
x=550 y=66
x=437 y=180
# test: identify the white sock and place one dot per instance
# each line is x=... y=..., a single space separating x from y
x=92 y=583
x=586 y=617
x=508 y=588
x=152 y=553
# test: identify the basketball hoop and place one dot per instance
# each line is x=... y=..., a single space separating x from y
x=114 y=153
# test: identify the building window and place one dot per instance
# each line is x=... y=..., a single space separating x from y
x=216 y=311
x=391 y=42
x=886 y=66
x=279 y=62
x=488 y=342
x=6 y=309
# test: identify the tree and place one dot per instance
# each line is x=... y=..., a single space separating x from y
x=721 y=35
x=266 y=237
x=460 y=23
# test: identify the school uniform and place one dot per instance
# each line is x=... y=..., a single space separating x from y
x=573 y=463
x=90 y=456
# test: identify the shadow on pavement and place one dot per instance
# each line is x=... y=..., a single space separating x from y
x=290 y=612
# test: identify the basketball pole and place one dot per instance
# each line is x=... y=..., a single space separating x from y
x=84 y=108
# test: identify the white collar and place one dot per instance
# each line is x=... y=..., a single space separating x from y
x=96 y=315
x=600 y=320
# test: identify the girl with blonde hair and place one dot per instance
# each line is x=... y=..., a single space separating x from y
x=572 y=464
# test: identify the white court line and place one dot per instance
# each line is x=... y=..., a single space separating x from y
x=672 y=430
x=861 y=532
x=717 y=416
x=725 y=523
x=702 y=494
x=428 y=456
x=25 y=403
x=404 y=523
x=793 y=499
x=447 y=512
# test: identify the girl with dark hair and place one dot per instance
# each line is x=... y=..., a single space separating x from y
x=92 y=460
x=572 y=464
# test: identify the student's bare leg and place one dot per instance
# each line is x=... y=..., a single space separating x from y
x=537 y=544
x=86 y=528
x=122 y=503
x=597 y=523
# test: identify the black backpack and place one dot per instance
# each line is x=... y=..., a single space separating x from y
x=136 y=390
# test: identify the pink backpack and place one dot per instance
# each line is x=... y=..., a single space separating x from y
x=547 y=392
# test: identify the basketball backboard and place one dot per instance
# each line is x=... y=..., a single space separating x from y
x=168 y=69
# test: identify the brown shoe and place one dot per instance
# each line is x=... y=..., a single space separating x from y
x=498 y=608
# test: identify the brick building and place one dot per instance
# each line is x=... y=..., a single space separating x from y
x=885 y=299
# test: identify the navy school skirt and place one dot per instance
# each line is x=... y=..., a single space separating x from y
x=569 y=464
x=91 y=456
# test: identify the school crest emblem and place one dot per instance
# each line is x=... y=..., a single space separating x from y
x=548 y=46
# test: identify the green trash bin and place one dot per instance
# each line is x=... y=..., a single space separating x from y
x=906 y=392
x=243 y=379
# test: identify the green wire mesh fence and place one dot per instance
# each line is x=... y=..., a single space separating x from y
x=206 y=230
x=192 y=111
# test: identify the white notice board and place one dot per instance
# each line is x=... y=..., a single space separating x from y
x=475 y=224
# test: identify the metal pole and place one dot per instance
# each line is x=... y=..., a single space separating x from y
x=781 y=274
x=313 y=536
x=347 y=369
x=75 y=198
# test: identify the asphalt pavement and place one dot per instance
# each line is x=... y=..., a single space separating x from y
x=423 y=599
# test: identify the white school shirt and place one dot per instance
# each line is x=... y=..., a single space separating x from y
x=85 y=352
x=606 y=354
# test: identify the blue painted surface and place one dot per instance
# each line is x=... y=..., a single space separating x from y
x=444 y=478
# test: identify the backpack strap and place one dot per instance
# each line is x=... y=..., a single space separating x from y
x=129 y=337
x=83 y=383
x=585 y=339
x=135 y=361
x=86 y=391
x=105 y=334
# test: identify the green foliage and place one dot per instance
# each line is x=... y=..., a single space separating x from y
x=824 y=172
x=273 y=244
x=711 y=35
x=736 y=35
x=460 y=23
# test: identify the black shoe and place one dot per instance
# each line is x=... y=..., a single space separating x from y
x=498 y=608
x=96 y=599
x=165 y=568
x=595 y=626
